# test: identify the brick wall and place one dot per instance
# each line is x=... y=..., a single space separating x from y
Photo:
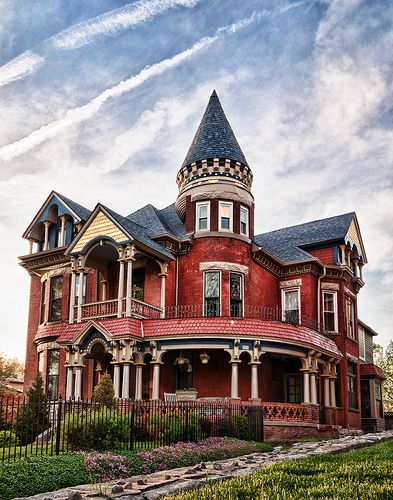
x=33 y=322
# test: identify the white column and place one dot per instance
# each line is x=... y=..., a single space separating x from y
x=78 y=383
x=62 y=231
x=69 y=382
x=125 y=392
x=31 y=241
x=361 y=271
x=116 y=380
x=156 y=381
x=313 y=388
x=80 y=297
x=162 y=298
x=72 y=298
x=332 y=392
x=306 y=386
x=121 y=290
x=254 y=380
x=46 y=237
x=129 y=288
x=234 y=380
x=343 y=256
x=326 y=390
x=138 y=382
x=104 y=289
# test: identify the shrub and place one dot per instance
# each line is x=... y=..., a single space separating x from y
x=33 y=416
x=103 y=392
x=106 y=466
x=171 y=427
x=97 y=429
x=8 y=438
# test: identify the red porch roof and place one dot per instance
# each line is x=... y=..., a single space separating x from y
x=370 y=370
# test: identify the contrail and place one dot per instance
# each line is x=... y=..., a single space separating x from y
x=85 y=112
x=21 y=66
x=109 y=24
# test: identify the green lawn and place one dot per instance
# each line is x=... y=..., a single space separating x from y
x=360 y=474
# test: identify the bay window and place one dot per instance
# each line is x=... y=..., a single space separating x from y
x=56 y=292
x=291 y=303
x=225 y=216
x=212 y=293
x=53 y=373
x=330 y=320
x=203 y=216
x=43 y=302
x=244 y=221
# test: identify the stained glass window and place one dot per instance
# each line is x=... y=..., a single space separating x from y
x=212 y=293
x=236 y=294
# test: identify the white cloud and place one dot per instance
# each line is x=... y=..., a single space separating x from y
x=21 y=66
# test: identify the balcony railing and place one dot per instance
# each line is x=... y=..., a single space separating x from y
x=109 y=308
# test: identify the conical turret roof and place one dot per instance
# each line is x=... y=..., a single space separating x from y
x=214 y=137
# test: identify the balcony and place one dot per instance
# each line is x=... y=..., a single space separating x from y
x=110 y=308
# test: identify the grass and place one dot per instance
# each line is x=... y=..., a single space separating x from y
x=360 y=474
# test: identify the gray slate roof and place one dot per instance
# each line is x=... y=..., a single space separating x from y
x=214 y=137
x=159 y=221
x=82 y=212
x=140 y=233
x=286 y=244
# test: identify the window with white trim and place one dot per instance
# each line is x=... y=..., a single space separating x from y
x=244 y=224
x=236 y=294
x=84 y=288
x=350 y=320
x=291 y=305
x=362 y=343
x=330 y=319
x=212 y=293
x=225 y=216
x=203 y=216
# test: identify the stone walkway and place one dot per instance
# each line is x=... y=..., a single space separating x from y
x=160 y=484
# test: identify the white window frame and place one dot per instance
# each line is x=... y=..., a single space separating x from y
x=197 y=218
x=230 y=204
x=220 y=290
x=335 y=310
x=247 y=212
x=241 y=292
x=362 y=343
x=350 y=314
x=283 y=292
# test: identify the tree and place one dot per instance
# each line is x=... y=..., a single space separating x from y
x=33 y=416
x=10 y=368
x=103 y=392
x=384 y=359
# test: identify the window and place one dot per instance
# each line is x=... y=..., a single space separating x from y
x=84 y=288
x=378 y=399
x=294 y=389
x=330 y=311
x=225 y=216
x=244 y=221
x=212 y=295
x=43 y=302
x=53 y=373
x=366 y=400
x=56 y=290
x=291 y=299
x=350 y=318
x=40 y=364
x=362 y=344
x=236 y=294
x=352 y=386
x=203 y=216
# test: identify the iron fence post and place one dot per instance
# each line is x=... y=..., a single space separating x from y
x=58 y=425
x=132 y=425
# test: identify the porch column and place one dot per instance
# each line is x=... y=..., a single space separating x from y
x=306 y=385
x=46 y=237
x=129 y=288
x=116 y=379
x=235 y=379
x=78 y=383
x=162 y=298
x=61 y=243
x=254 y=380
x=69 y=382
x=72 y=297
x=155 y=393
x=332 y=384
x=138 y=381
x=125 y=392
x=80 y=296
x=313 y=388
x=343 y=256
x=326 y=389
x=31 y=241
x=121 y=289
x=361 y=270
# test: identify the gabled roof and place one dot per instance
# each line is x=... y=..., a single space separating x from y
x=288 y=244
x=159 y=221
x=125 y=230
x=214 y=137
x=78 y=212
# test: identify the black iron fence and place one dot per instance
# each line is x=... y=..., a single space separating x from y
x=41 y=427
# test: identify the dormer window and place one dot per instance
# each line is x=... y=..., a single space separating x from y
x=203 y=216
x=244 y=221
x=225 y=216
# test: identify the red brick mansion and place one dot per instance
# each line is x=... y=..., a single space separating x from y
x=188 y=297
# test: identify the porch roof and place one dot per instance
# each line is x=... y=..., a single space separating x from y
x=370 y=370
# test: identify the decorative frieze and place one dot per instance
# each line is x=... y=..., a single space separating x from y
x=223 y=266
x=290 y=283
x=330 y=286
x=267 y=263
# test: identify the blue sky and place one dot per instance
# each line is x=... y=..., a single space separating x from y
x=100 y=100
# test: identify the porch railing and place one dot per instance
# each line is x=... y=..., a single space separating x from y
x=288 y=412
x=109 y=308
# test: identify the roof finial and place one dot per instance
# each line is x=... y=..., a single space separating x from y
x=214 y=94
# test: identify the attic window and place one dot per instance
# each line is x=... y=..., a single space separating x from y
x=225 y=218
x=203 y=216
